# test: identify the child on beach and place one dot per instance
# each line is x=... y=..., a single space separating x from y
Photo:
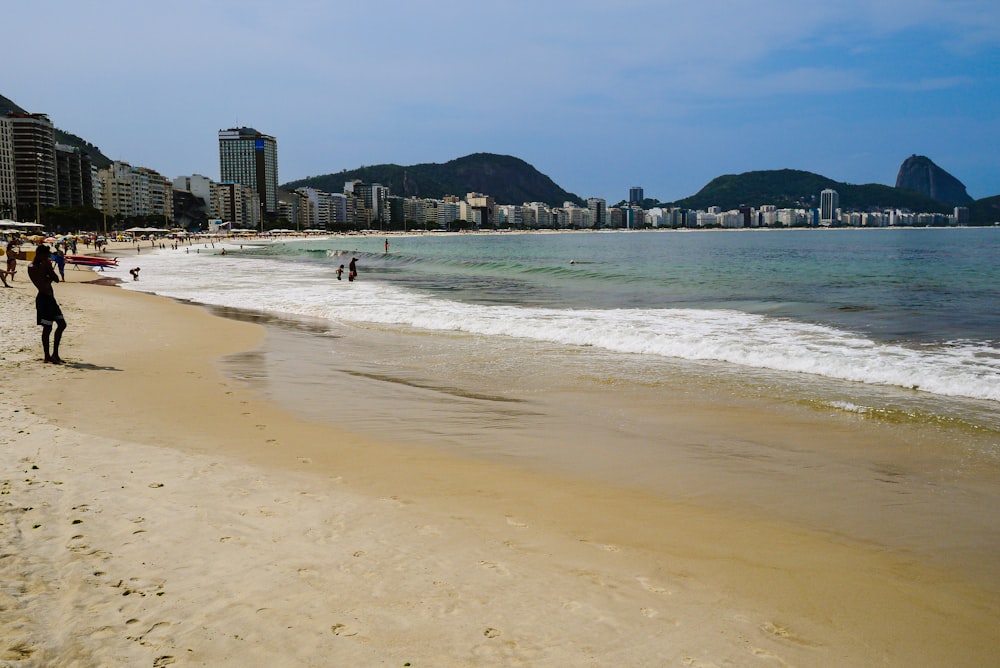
x=42 y=274
x=340 y=272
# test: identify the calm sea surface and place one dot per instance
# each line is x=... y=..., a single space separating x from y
x=863 y=320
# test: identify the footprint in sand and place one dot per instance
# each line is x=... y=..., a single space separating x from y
x=141 y=639
x=491 y=633
x=342 y=630
x=650 y=587
x=76 y=544
x=784 y=633
x=499 y=568
x=514 y=523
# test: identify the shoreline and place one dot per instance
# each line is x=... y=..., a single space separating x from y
x=379 y=551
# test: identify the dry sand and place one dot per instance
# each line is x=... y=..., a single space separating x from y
x=154 y=512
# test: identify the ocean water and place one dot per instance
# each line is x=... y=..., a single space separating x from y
x=915 y=309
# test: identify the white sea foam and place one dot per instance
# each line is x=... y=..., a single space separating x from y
x=958 y=369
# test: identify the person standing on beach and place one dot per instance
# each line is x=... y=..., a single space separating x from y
x=386 y=245
x=60 y=259
x=12 y=258
x=42 y=274
x=352 y=269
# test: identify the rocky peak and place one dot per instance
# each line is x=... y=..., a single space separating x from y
x=919 y=173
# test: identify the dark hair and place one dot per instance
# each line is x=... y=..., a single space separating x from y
x=42 y=251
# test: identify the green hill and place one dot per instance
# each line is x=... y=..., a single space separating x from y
x=985 y=211
x=508 y=179
x=790 y=188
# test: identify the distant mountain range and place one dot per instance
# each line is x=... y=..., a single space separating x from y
x=507 y=179
x=790 y=188
x=920 y=185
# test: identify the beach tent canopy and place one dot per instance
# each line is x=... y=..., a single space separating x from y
x=158 y=230
x=19 y=226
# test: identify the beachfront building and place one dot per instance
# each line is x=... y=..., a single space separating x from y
x=616 y=219
x=413 y=211
x=767 y=215
x=130 y=192
x=510 y=215
x=960 y=216
x=829 y=207
x=74 y=177
x=250 y=158
x=161 y=194
x=482 y=209
x=34 y=141
x=238 y=205
x=540 y=214
x=598 y=211
x=8 y=189
x=447 y=212
x=373 y=201
x=635 y=195
x=199 y=186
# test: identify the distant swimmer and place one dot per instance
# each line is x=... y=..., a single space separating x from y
x=352 y=269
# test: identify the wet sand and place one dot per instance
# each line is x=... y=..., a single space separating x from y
x=160 y=508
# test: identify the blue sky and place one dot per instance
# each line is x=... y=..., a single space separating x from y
x=598 y=95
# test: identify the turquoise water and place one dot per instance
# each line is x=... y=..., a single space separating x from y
x=918 y=285
x=839 y=315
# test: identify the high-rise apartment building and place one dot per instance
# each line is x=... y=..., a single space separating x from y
x=250 y=158
x=598 y=211
x=8 y=189
x=829 y=203
x=635 y=195
x=34 y=142
x=74 y=177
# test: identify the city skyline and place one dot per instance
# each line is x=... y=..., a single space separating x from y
x=597 y=97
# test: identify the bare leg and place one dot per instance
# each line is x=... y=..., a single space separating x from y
x=60 y=326
x=46 y=331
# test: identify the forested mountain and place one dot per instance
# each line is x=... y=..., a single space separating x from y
x=507 y=179
x=790 y=188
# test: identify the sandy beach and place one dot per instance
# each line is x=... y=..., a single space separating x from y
x=156 y=511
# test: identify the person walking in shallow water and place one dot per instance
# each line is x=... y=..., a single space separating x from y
x=352 y=269
x=42 y=274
